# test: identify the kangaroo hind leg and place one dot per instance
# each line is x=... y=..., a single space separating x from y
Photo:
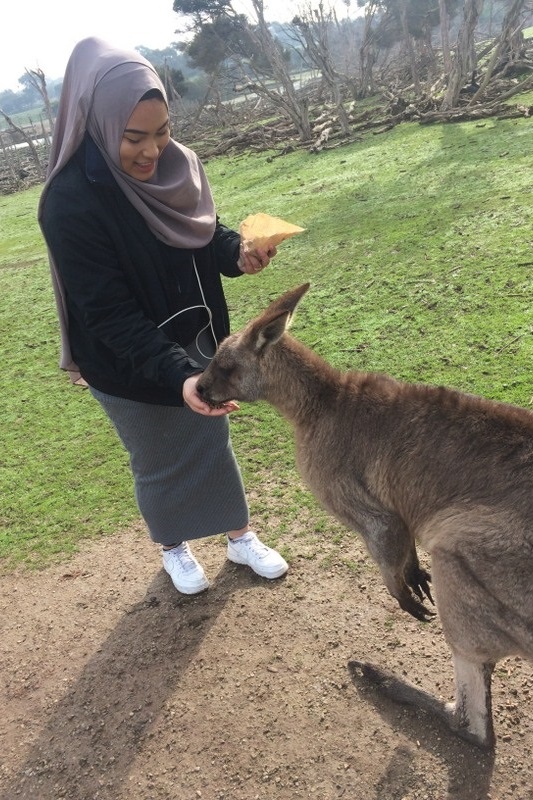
x=463 y=609
x=470 y=716
x=471 y=713
x=471 y=625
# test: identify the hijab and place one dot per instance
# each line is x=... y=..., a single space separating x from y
x=101 y=87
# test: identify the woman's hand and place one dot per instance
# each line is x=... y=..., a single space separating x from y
x=254 y=261
x=192 y=399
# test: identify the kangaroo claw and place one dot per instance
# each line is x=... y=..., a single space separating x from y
x=418 y=580
x=416 y=608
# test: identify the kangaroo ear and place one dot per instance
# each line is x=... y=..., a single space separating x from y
x=271 y=329
x=289 y=300
x=268 y=328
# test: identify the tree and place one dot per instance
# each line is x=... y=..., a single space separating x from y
x=465 y=61
x=37 y=79
x=410 y=25
x=369 y=46
x=403 y=11
x=445 y=36
x=30 y=93
x=169 y=55
x=314 y=26
x=173 y=81
x=213 y=49
x=9 y=101
x=263 y=62
x=508 y=47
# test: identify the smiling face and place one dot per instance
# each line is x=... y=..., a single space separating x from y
x=145 y=136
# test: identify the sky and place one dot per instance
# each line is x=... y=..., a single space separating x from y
x=41 y=33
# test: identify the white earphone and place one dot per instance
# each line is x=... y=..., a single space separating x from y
x=190 y=308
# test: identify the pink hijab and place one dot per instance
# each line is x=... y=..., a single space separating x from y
x=101 y=87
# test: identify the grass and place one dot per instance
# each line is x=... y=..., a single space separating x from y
x=419 y=250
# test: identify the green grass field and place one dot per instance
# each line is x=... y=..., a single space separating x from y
x=419 y=249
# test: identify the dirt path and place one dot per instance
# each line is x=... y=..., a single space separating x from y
x=117 y=688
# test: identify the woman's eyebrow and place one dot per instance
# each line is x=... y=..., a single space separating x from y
x=134 y=130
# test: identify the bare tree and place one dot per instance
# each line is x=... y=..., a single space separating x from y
x=508 y=46
x=445 y=37
x=273 y=83
x=408 y=43
x=367 y=53
x=313 y=28
x=286 y=97
x=464 y=62
x=37 y=79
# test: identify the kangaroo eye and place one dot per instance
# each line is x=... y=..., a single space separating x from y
x=227 y=372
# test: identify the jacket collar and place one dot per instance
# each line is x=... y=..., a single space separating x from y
x=96 y=168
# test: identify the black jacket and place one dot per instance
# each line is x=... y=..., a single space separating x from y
x=121 y=282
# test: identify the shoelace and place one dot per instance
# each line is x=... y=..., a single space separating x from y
x=254 y=545
x=185 y=559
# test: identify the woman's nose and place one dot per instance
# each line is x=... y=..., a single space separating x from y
x=151 y=148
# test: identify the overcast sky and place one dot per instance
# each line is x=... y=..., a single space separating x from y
x=42 y=33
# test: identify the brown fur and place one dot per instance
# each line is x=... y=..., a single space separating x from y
x=398 y=463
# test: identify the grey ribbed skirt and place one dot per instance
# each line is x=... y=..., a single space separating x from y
x=187 y=481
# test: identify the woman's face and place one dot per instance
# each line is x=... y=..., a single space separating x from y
x=146 y=134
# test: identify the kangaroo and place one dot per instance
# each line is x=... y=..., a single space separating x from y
x=400 y=463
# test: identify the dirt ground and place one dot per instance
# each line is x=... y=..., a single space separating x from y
x=115 y=687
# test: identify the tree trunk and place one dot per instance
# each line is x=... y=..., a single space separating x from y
x=445 y=36
x=367 y=53
x=312 y=32
x=38 y=81
x=409 y=46
x=204 y=102
x=509 y=43
x=464 y=62
x=295 y=108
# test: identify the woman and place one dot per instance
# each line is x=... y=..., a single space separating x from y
x=136 y=252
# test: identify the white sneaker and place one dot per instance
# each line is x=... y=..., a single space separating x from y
x=186 y=573
x=264 y=561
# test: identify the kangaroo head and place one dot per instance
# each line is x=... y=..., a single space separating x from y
x=238 y=370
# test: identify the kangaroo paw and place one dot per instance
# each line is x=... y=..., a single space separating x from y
x=416 y=608
x=418 y=580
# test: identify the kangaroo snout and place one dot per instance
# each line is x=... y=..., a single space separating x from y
x=207 y=392
x=202 y=391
